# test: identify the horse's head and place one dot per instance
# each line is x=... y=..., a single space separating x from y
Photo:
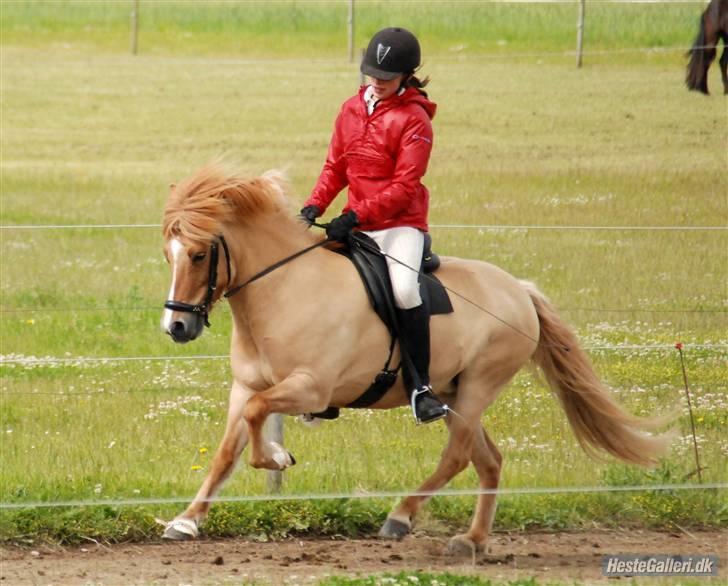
x=198 y=212
x=197 y=273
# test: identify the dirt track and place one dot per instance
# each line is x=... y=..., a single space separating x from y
x=547 y=556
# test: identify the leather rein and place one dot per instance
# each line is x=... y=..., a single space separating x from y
x=203 y=309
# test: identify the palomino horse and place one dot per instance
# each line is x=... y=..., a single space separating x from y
x=713 y=27
x=305 y=338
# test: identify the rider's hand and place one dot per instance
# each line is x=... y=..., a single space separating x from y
x=340 y=227
x=310 y=213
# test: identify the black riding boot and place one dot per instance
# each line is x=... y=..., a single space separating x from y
x=414 y=327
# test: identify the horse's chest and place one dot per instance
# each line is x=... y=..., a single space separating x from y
x=253 y=366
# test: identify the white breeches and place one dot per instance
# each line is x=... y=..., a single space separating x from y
x=404 y=244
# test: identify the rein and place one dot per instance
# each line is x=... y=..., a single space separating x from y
x=366 y=245
x=273 y=267
x=204 y=308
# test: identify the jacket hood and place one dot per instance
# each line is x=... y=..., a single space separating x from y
x=410 y=96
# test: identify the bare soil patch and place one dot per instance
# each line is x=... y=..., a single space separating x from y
x=546 y=556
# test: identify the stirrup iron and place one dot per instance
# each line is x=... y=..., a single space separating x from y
x=427 y=389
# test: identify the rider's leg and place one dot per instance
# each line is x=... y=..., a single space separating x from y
x=414 y=326
x=404 y=248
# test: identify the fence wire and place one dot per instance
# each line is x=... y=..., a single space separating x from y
x=45 y=361
x=361 y=495
x=438 y=226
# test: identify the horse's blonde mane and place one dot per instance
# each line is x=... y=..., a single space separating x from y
x=197 y=207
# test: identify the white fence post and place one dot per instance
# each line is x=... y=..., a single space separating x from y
x=274 y=431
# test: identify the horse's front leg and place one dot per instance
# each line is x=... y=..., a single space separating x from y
x=296 y=394
x=186 y=525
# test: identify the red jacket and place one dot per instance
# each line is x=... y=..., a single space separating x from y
x=381 y=158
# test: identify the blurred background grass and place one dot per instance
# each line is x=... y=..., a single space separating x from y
x=316 y=29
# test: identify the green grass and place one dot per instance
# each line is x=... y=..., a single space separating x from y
x=320 y=28
x=410 y=578
x=91 y=135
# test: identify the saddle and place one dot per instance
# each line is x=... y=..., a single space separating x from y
x=371 y=265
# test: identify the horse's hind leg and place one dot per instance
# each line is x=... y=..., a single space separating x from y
x=724 y=65
x=487 y=461
x=185 y=526
x=473 y=397
x=455 y=458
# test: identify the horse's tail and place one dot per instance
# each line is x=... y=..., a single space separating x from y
x=697 y=68
x=598 y=421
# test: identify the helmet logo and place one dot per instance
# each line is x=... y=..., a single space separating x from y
x=382 y=52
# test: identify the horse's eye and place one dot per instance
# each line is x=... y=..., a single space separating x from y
x=199 y=257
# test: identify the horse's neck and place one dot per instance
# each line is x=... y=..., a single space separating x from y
x=256 y=247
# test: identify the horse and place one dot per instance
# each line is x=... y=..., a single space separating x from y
x=713 y=26
x=306 y=338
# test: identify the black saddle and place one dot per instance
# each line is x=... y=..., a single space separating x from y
x=372 y=267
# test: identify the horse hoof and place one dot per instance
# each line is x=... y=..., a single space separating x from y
x=462 y=546
x=181 y=530
x=282 y=457
x=394 y=529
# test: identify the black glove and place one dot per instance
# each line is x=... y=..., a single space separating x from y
x=310 y=213
x=339 y=228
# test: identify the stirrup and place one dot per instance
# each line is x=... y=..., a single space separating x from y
x=424 y=390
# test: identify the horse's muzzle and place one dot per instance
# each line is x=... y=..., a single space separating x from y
x=185 y=329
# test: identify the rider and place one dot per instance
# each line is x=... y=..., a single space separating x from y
x=380 y=148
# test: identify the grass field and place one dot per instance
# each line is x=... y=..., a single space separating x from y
x=316 y=28
x=92 y=135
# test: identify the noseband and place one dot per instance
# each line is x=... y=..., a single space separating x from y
x=203 y=308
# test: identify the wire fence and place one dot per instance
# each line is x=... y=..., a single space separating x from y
x=361 y=495
x=487 y=227
x=496 y=55
x=149 y=309
x=437 y=226
x=79 y=361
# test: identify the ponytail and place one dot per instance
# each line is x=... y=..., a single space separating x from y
x=413 y=81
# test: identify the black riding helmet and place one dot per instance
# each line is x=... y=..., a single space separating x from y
x=391 y=52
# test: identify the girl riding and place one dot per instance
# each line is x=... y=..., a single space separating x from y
x=380 y=148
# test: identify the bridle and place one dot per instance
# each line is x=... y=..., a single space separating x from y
x=203 y=309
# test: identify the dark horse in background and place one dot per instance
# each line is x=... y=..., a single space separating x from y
x=713 y=26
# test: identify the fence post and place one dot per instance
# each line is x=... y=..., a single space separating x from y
x=698 y=468
x=274 y=431
x=580 y=32
x=350 y=23
x=134 y=26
